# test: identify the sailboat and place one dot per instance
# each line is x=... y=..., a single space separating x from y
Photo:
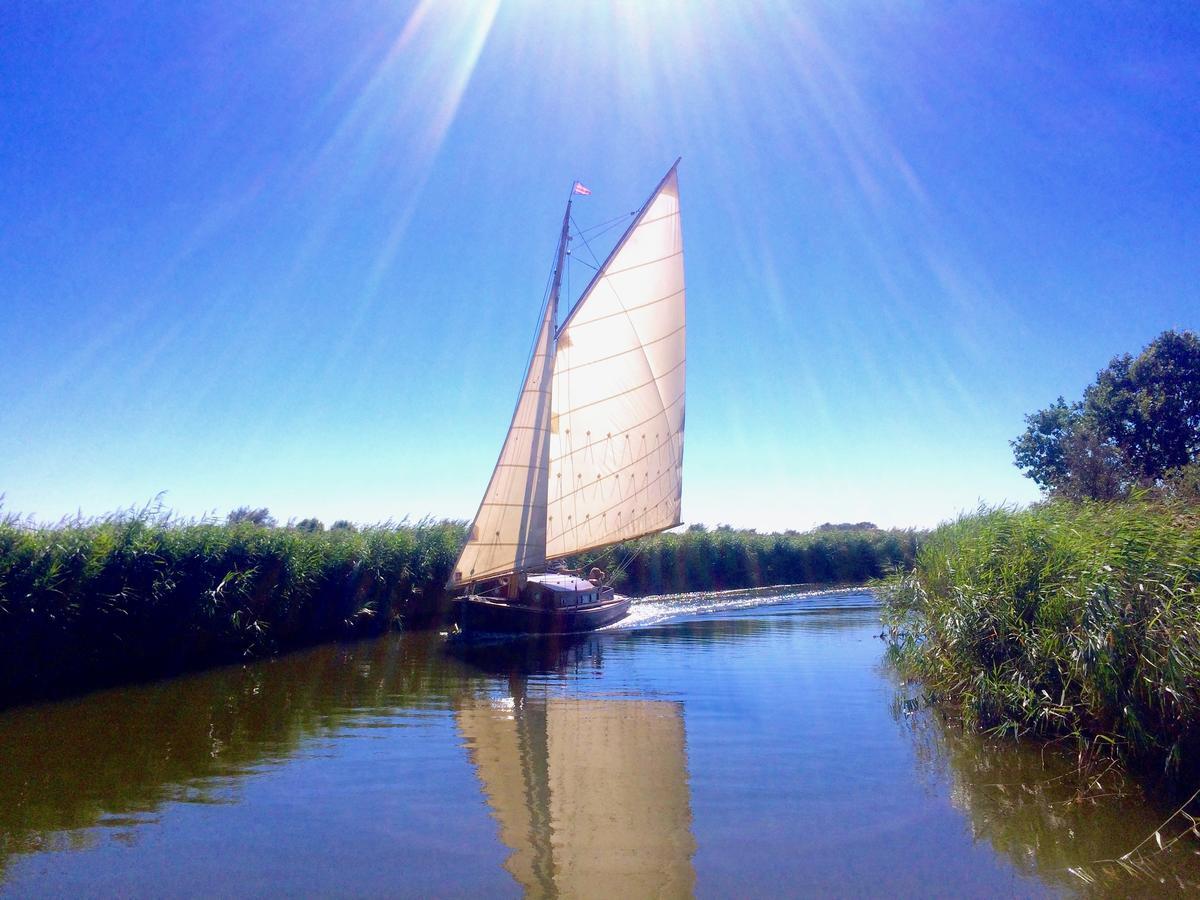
x=594 y=452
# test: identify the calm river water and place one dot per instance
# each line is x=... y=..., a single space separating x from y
x=710 y=746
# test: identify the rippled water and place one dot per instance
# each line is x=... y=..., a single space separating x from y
x=711 y=745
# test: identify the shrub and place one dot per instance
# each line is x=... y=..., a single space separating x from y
x=1067 y=619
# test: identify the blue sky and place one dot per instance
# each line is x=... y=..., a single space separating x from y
x=290 y=255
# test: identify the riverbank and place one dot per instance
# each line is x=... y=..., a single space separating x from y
x=128 y=597
x=91 y=603
x=1075 y=621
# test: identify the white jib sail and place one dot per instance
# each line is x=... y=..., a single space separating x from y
x=616 y=428
x=509 y=531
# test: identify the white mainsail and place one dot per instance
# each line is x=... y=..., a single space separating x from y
x=594 y=454
x=616 y=443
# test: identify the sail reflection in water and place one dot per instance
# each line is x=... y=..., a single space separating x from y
x=591 y=795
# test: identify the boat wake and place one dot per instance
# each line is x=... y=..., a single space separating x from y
x=655 y=610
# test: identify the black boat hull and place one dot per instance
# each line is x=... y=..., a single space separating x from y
x=484 y=615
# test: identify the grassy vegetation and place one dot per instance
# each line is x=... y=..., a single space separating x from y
x=1067 y=620
x=88 y=603
x=701 y=560
x=85 y=603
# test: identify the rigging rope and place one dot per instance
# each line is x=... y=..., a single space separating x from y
x=579 y=233
x=619 y=567
x=586 y=244
x=623 y=567
x=605 y=225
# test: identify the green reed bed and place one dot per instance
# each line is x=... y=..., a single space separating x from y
x=87 y=603
x=1067 y=620
x=92 y=602
x=724 y=558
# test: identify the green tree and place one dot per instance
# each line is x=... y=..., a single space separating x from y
x=310 y=525
x=1149 y=406
x=1093 y=468
x=1039 y=452
x=1137 y=422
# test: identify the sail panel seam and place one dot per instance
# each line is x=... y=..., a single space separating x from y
x=610 y=539
x=616 y=472
x=633 y=427
x=634 y=537
x=626 y=310
x=654 y=381
x=641 y=265
x=646 y=222
x=636 y=491
x=613 y=356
